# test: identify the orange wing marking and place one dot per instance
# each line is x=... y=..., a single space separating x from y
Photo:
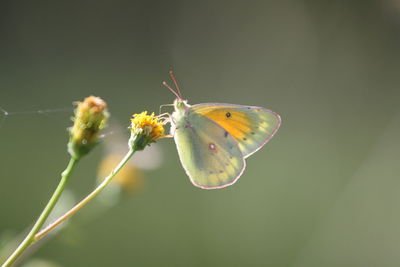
x=234 y=122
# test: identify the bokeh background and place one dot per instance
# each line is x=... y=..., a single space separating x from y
x=325 y=191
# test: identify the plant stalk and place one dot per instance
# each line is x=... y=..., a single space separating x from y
x=87 y=199
x=30 y=238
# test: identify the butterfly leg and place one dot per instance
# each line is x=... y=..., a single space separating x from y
x=168 y=136
x=166 y=117
x=165 y=105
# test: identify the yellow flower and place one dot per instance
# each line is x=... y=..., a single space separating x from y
x=145 y=129
x=129 y=179
x=90 y=117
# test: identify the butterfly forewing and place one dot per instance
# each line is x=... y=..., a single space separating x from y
x=209 y=154
x=252 y=127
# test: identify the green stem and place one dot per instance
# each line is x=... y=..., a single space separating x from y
x=88 y=198
x=30 y=238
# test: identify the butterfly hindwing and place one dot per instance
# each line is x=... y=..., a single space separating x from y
x=208 y=153
x=252 y=127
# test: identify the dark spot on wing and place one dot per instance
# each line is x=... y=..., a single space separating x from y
x=228 y=114
x=226 y=134
x=212 y=147
x=221 y=171
x=244 y=138
x=253 y=133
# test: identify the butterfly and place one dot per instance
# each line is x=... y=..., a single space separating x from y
x=214 y=139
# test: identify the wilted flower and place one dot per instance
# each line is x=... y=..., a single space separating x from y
x=90 y=117
x=129 y=179
x=41 y=263
x=145 y=129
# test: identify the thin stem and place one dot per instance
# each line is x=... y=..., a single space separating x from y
x=88 y=198
x=30 y=238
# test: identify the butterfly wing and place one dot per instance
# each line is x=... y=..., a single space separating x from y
x=209 y=154
x=252 y=127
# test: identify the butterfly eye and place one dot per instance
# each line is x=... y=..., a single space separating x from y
x=228 y=114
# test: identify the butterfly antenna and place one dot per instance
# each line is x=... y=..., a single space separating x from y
x=172 y=90
x=171 y=74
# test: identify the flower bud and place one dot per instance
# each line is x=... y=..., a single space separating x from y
x=90 y=117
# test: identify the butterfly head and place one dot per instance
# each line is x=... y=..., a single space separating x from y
x=180 y=104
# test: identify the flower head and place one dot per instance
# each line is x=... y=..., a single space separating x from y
x=145 y=129
x=90 y=117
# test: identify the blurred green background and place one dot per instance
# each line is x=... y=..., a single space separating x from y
x=324 y=192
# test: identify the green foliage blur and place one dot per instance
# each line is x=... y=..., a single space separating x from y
x=325 y=191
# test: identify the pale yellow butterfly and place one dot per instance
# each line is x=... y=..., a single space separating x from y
x=213 y=139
